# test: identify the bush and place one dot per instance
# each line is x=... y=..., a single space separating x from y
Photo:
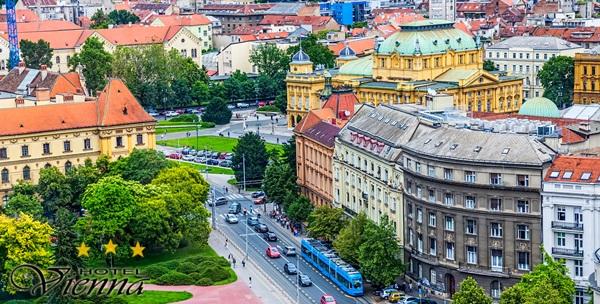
x=208 y=264
x=175 y=278
x=187 y=267
x=214 y=273
x=268 y=108
x=155 y=271
x=196 y=259
x=171 y=265
x=207 y=124
x=185 y=118
x=204 y=282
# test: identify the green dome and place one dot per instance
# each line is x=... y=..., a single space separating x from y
x=539 y=106
x=427 y=37
x=361 y=67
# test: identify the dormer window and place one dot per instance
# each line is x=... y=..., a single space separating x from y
x=567 y=174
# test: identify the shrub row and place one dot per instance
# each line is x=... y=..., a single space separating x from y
x=198 y=270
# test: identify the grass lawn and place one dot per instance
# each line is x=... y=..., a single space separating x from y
x=213 y=143
x=165 y=126
x=158 y=297
x=211 y=169
x=160 y=130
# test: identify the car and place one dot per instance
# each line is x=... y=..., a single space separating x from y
x=242 y=105
x=153 y=114
x=405 y=299
x=229 y=157
x=261 y=104
x=225 y=163
x=188 y=157
x=272 y=252
x=258 y=194
x=290 y=268
x=230 y=106
x=260 y=201
x=289 y=251
x=175 y=156
x=219 y=201
x=231 y=218
x=179 y=111
x=304 y=280
x=171 y=114
x=235 y=208
x=270 y=237
x=215 y=155
x=385 y=294
x=252 y=221
x=420 y=301
x=395 y=296
x=199 y=159
x=195 y=111
x=327 y=299
x=193 y=152
x=261 y=228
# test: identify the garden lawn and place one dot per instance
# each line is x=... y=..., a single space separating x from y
x=158 y=297
x=165 y=126
x=211 y=169
x=212 y=143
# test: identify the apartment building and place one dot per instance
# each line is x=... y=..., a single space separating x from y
x=198 y=25
x=586 y=86
x=442 y=9
x=571 y=208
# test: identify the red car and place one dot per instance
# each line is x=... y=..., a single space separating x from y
x=272 y=252
x=175 y=156
x=327 y=299
x=260 y=201
x=261 y=103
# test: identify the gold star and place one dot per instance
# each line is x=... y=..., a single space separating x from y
x=83 y=250
x=137 y=250
x=110 y=248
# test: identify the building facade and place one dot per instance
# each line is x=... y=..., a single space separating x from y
x=571 y=208
x=66 y=134
x=304 y=87
x=442 y=9
x=472 y=207
x=198 y=25
x=586 y=87
x=346 y=12
x=525 y=56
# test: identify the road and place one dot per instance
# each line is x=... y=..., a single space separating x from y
x=238 y=233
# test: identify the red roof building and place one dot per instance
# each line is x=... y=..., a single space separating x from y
x=574 y=169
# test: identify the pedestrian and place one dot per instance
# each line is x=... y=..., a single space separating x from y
x=276 y=120
x=162 y=136
x=244 y=263
x=250 y=282
x=226 y=241
x=226 y=189
x=277 y=139
x=233 y=261
x=228 y=134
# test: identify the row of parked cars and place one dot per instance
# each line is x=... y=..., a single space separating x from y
x=204 y=157
x=395 y=296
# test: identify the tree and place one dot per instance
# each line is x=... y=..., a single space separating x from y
x=36 y=53
x=350 y=238
x=78 y=178
x=99 y=20
x=326 y=223
x=201 y=93
x=252 y=147
x=557 y=76
x=279 y=181
x=217 y=112
x=489 y=65
x=141 y=165
x=281 y=101
x=239 y=87
x=55 y=192
x=122 y=17
x=23 y=240
x=359 y=24
x=21 y=203
x=319 y=54
x=95 y=64
x=549 y=282
x=299 y=210
x=379 y=254
x=470 y=293
x=289 y=153
x=272 y=64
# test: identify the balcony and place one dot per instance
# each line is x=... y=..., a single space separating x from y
x=567 y=225
x=567 y=252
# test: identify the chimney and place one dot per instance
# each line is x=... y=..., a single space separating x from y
x=333 y=121
x=44 y=71
x=21 y=66
x=42 y=95
x=19 y=101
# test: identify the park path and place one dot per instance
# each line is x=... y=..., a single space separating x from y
x=235 y=293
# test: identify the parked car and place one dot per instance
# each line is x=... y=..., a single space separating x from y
x=199 y=159
x=179 y=111
x=171 y=114
x=242 y=105
x=185 y=151
x=272 y=252
x=395 y=296
x=175 y=156
x=219 y=201
x=252 y=221
x=304 y=280
x=405 y=299
x=153 y=114
x=270 y=237
x=230 y=106
x=195 y=111
x=260 y=200
x=290 y=268
x=225 y=163
x=193 y=152
x=231 y=219
x=258 y=194
x=215 y=155
x=188 y=157
x=261 y=228
x=261 y=103
x=327 y=299
x=289 y=251
x=213 y=162
x=235 y=208
x=385 y=294
x=420 y=301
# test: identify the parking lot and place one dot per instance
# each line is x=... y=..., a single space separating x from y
x=221 y=159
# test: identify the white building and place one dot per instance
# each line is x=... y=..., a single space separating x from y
x=442 y=9
x=236 y=56
x=525 y=57
x=571 y=216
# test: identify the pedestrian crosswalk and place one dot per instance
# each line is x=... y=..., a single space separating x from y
x=234 y=197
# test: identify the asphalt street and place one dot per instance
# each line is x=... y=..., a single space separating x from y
x=257 y=246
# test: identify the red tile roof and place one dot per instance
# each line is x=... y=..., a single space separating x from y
x=137 y=34
x=579 y=166
x=264 y=36
x=42 y=26
x=183 y=20
x=359 y=46
x=570 y=137
x=397 y=18
x=23 y=15
x=575 y=35
x=39 y=2
x=342 y=103
x=386 y=30
x=57 y=39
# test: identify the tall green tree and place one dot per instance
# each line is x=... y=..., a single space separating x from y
x=326 y=223
x=557 y=78
x=319 y=54
x=470 y=293
x=350 y=238
x=270 y=60
x=95 y=64
x=78 y=178
x=281 y=101
x=36 y=53
x=279 y=182
x=489 y=65
x=55 y=192
x=379 y=254
x=99 y=20
x=28 y=204
x=251 y=147
x=289 y=153
x=141 y=165
x=299 y=210
x=239 y=87
x=117 y=17
x=217 y=112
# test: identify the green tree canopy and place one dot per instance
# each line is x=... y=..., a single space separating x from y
x=141 y=165
x=117 y=17
x=470 y=293
x=272 y=64
x=325 y=223
x=28 y=204
x=239 y=87
x=55 y=192
x=489 y=65
x=279 y=181
x=217 y=112
x=557 y=77
x=252 y=147
x=289 y=153
x=95 y=64
x=99 y=20
x=299 y=210
x=319 y=54
x=36 y=53
x=350 y=237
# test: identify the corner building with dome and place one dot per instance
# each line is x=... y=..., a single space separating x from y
x=423 y=56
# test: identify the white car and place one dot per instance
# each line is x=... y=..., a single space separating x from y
x=153 y=114
x=231 y=218
x=230 y=106
x=242 y=105
x=188 y=157
x=171 y=114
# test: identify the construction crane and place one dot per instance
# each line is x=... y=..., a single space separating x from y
x=13 y=41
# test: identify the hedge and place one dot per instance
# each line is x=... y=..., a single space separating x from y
x=187 y=267
x=185 y=118
x=204 y=282
x=207 y=124
x=155 y=271
x=268 y=108
x=171 y=265
x=175 y=278
x=214 y=273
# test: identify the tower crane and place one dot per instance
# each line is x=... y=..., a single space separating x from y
x=13 y=40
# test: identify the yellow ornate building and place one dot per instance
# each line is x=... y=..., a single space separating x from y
x=65 y=134
x=423 y=57
x=587 y=78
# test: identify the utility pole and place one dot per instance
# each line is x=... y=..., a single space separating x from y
x=244 y=169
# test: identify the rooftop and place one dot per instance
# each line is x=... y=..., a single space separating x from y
x=361 y=67
x=323 y=133
x=539 y=106
x=534 y=42
x=574 y=169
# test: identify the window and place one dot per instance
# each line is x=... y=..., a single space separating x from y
x=578 y=268
x=448 y=174
x=87 y=144
x=449 y=199
x=24 y=151
x=578 y=238
x=410 y=237
x=431 y=195
x=194 y=53
x=497 y=260
x=419 y=215
x=545 y=56
x=523 y=260
x=26 y=173
x=432 y=246
x=68 y=166
x=57 y=59
x=432 y=220
x=420 y=243
x=578 y=215
x=67 y=145
x=522 y=232
x=419 y=192
x=432 y=277
x=523 y=180
x=449 y=223
x=567 y=174
x=471 y=227
x=496 y=230
x=469 y=176
x=496 y=204
x=450 y=251
x=495 y=179
x=560 y=239
x=471 y=255
x=5 y=179
x=3 y=154
x=46 y=148
x=470 y=202
x=431 y=171
x=140 y=139
x=522 y=206
x=561 y=214
x=409 y=210
x=586 y=175
x=418 y=167
x=119 y=141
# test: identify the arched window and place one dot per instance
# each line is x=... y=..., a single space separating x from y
x=5 y=179
x=68 y=166
x=26 y=173
x=47 y=165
